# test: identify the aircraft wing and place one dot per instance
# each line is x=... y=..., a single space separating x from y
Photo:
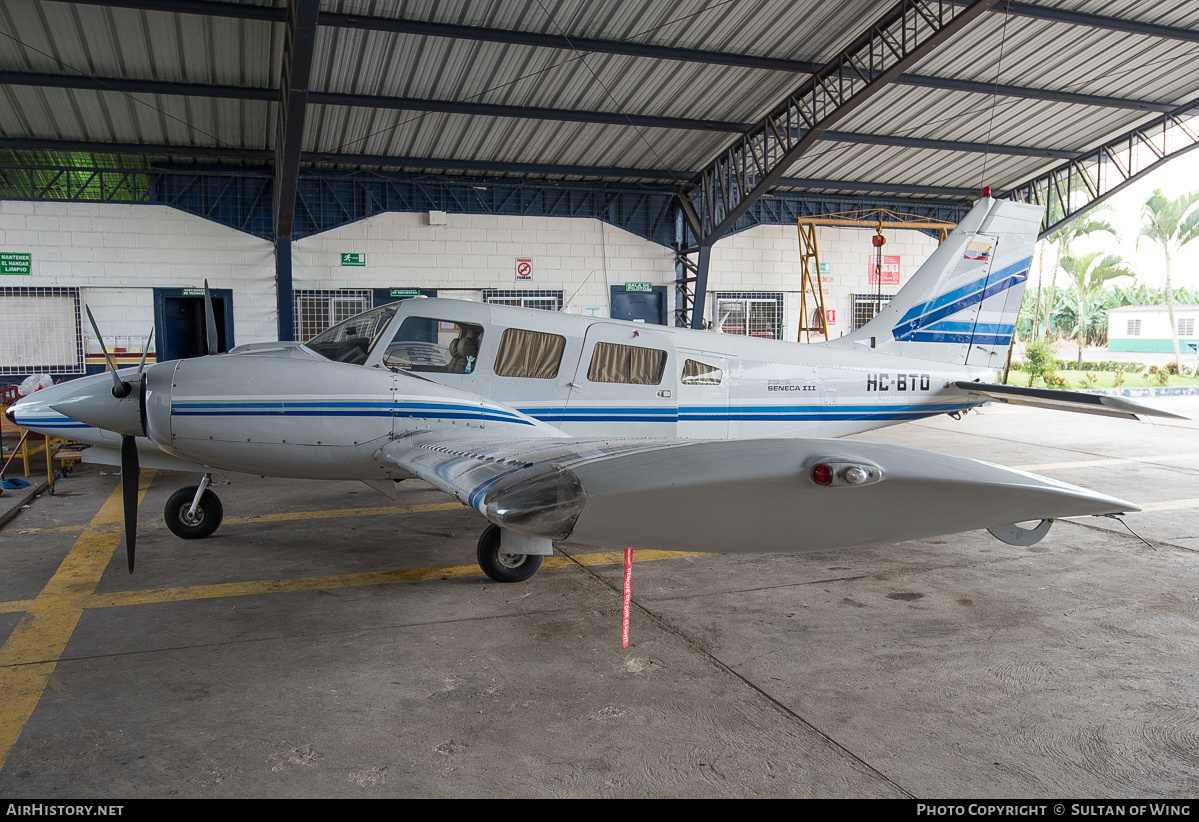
x=732 y=496
x=1078 y=401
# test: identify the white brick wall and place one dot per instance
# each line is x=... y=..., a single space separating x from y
x=118 y=253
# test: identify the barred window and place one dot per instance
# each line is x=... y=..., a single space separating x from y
x=1134 y=328
x=865 y=306
x=317 y=311
x=1186 y=327
x=543 y=299
x=752 y=315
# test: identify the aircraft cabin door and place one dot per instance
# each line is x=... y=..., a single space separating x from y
x=626 y=384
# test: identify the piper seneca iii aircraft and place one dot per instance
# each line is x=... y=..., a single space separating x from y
x=577 y=430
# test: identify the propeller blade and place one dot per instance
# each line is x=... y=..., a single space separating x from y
x=130 y=474
x=210 y=320
x=145 y=348
x=119 y=388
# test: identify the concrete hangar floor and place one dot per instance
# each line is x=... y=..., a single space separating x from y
x=328 y=643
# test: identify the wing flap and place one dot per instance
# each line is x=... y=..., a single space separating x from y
x=1077 y=401
x=735 y=496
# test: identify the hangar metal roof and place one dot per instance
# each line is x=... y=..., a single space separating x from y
x=618 y=90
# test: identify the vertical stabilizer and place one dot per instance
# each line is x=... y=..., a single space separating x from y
x=961 y=306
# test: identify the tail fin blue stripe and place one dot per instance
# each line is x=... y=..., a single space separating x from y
x=960 y=299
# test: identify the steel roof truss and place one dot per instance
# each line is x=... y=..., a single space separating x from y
x=908 y=32
x=1071 y=189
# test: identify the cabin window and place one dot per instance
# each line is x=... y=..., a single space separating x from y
x=529 y=354
x=611 y=362
x=1134 y=328
x=1186 y=327
x=433 y=344
x=698 y=373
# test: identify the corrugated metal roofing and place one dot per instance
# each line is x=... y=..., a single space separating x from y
x=95 y=40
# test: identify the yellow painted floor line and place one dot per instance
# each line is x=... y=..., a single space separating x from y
x=1092 y=463
x=293 y=516
x=29 y=656
x=274 y=586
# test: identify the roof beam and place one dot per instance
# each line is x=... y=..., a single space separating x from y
x=424 y=163
x=1098 y=21
x=492 y=110
x=298 y=44
x=633 y=49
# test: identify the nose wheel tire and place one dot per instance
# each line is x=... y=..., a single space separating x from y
x=504 y=567
x=207 y=517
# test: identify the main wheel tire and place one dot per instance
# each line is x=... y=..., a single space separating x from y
x=208 y=516
x=504 y=567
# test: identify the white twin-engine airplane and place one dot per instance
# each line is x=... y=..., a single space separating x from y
x=569 y=429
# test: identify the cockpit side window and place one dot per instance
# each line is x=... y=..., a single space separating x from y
x=529 y=354
x=437 y=345
x=353 y=339
x=612 y=362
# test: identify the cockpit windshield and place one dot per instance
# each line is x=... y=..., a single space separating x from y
x=352 y=340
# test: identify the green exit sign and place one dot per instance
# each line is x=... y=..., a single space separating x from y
x=11 y=263
x=353 y=259
x=644 y=287
x=404 y=293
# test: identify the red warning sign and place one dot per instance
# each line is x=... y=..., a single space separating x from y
x=524 y=268
x=890 y=270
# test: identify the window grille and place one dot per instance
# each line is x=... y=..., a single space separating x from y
x=750 y=314
x=40 y=331
x=544 y=299
x=1186 y=327
x=317 y=311
x=865 y=306
x=1134 y=328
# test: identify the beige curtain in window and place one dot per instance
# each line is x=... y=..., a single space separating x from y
x=611 y=362
x=529 y=354
x=697 y=373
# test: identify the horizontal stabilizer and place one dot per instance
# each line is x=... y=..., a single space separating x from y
x=1078 y=401
x=735 y=496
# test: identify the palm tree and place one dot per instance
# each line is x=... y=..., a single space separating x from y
x=1065 y=237
x=1088 y=273
x=1171 y=224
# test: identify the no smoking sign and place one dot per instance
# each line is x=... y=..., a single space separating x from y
x=524 y=268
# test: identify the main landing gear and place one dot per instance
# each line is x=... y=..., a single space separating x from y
x=194 y=512
x=504 y=567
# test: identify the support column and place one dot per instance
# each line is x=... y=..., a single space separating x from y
x=283 y=292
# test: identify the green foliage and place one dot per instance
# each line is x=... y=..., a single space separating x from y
x=1170 y=223
x=1039 y=359
x=74 y=175
x=1088 y=273
x=1087 y=365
